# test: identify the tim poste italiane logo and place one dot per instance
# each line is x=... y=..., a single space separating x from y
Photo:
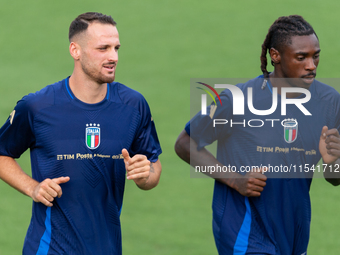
x=290 y=126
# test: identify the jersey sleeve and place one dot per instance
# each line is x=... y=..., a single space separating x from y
x=146 y=141
x=16 y=135
x=205 y=130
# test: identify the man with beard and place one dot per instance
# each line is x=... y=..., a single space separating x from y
x=86 y=134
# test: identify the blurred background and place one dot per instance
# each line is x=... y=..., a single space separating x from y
x=164 y=44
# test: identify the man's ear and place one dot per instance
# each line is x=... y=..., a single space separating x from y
x=275 y=56
x=75 y=50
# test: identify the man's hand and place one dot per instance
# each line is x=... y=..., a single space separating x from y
x=329 y=145
x=138 y=168
x=47 y=190
x=251 y=184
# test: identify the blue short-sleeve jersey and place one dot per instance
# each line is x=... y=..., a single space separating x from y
x=68 y=137
x=277 y=222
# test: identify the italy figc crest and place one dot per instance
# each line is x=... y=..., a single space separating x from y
x=92 y=136
x=290 y=130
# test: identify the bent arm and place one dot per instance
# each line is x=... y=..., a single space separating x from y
x=43 y=192
x=186 y=149
x=250 y=185
x=145 y=174
x=12 y=174
x=154 y=176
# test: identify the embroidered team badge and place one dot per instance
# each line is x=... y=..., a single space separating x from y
x=92 y=136
x=290 y=130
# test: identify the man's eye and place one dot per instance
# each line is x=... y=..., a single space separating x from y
x=300 y=58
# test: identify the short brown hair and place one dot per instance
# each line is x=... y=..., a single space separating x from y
x=81 y=23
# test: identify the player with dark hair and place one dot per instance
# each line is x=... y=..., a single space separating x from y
x=86 y=135
x=253 y=212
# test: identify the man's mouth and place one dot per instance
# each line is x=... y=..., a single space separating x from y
x=110 y=67
x=309 y=76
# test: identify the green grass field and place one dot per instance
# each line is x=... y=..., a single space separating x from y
x=164 y=44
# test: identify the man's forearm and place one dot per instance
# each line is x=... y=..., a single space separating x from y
x=154 y=176
x=250 y=185
x=332 y=173
x=186 y=149
x=12 y=174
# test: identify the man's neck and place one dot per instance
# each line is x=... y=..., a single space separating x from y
x=279 y=82
x=86 y=90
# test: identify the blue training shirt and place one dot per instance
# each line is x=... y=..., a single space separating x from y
x=277 y=222
x=68 y=137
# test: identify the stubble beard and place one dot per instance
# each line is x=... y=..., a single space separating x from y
x=96 y=76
